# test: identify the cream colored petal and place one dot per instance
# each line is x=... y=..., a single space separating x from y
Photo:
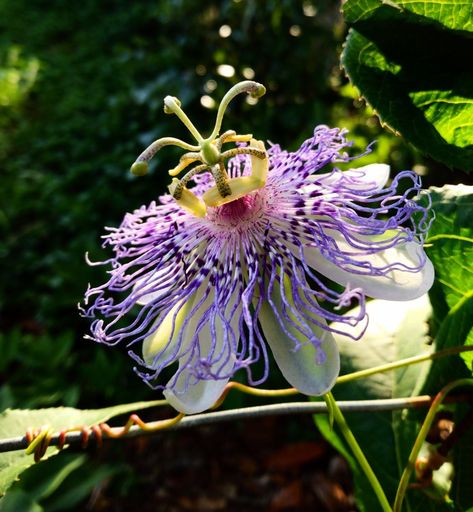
x=188 y=395
x=372 y=177
x=161 y=343
x=300 y=367
x=198 y=397
x=150 y=282
x=397 y=284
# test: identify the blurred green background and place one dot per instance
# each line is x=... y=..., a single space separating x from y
x=81 y=89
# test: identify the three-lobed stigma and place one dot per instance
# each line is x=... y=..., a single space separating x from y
x=208 y=156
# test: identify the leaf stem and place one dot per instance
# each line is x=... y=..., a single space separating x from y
x=444 y=236
x=357 y=451
x=271 y=393
x=403 y=362
x=404 y=482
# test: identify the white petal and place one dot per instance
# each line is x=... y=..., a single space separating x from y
x=187 y=395
x=150 y=282
x=198 y=397
x=371 y=178
x=161 y=343
x=300 y=368
x=397 y=284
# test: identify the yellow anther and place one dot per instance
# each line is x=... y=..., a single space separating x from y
x=259 y=166
x=238 y=138
x=182 y=165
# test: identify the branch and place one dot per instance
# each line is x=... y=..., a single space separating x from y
x=77 y=438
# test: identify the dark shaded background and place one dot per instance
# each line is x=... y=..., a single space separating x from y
x=81 y=89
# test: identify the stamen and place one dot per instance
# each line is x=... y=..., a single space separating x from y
x=242 y=185
x=208 y=152
x=188 y=200
x=221 y=179
x=231 y=136
x=178 y=185
x=244 y=151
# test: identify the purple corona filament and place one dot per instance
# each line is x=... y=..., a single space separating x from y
x=215 y=283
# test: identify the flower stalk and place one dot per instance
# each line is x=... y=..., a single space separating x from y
x=357 y=451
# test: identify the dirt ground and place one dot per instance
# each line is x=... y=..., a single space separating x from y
x=255 y=465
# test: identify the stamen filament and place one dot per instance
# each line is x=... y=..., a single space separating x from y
x=221 y=178
x=244 y=151
x=180 y=184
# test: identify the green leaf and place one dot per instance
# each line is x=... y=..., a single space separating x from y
x=19 y=500
x=15 y=423
x=450 y=241
x=41 y=483
x=59 y=483
x=78 y=486
x=396 y=330
x=411 y=62
x=450 y=14
x=450 y=247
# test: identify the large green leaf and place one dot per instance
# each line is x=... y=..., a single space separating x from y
x=58 y=484
x=396 y=330
x=450 y=241
x=452 y=14
x=411 y=62
x=15 y=423
x=40 y=487
x=450 y=247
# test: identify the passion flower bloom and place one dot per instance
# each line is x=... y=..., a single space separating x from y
x=213 y=276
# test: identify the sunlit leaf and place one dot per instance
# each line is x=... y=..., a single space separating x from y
x=15 y=423
x=450 y=247
x=411 y=62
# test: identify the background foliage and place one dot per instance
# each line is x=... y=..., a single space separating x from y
x=81 y=88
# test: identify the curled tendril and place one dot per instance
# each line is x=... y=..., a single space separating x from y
x=39 y=440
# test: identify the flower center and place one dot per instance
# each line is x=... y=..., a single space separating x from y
x=238 y=212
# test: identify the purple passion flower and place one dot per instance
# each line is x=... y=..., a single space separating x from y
x=245 y=261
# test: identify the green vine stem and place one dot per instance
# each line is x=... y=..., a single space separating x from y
x=271 y=393
x=357 y=451
x=404 y=482
x=404 y=362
